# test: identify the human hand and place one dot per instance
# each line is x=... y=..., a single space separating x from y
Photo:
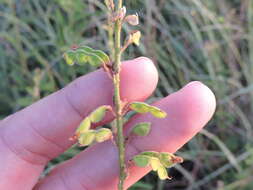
x=40 y=132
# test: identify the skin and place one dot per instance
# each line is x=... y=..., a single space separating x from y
x=40 y=132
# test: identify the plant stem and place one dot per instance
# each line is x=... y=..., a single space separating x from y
x=117 y=100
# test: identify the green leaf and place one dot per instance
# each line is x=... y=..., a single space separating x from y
x=85 y=54
x=141 y=107
x=97 y=115
x=141 y=160
x=84 y=126
x=142 y=129
x=103 y=134
x=162 y=173
x=165 y=159
x=155 y=163
x=87 y=138
x=151 y=154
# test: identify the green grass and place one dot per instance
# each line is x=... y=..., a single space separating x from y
x=210 y=41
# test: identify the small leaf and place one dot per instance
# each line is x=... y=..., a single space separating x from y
x=151 y=154
x=103 y=134
x=162 y=173
x=132 y=19
x=97 y=115
x=142 y=129
x=136 y=36
x=155 y=163
x=86 y=138
x=141 y=160
x=84 y=126
x=165 y=159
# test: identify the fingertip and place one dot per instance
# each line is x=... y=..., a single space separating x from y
x=139 y=78
x=193 y=105
x=201 y=101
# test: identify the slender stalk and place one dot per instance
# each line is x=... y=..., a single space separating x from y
x=117 y=100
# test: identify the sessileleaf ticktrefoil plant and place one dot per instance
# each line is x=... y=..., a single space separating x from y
x=85 y=135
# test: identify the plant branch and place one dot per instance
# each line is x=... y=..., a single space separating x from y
x=117 y=100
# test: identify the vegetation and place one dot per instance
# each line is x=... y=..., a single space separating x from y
x=210 y=41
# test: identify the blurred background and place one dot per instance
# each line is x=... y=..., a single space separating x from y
x=210 y=41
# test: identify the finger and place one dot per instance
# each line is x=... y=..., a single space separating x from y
x=33 y=136
x=97 y=167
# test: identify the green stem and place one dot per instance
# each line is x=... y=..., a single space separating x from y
x=117 y=100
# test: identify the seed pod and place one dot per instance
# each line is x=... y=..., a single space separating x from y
x=103 y=134
x=166 y=159
x=141 y=107
x=151 y=154
x=98 y=114
x=87 y=138
x=155 y=163
x=142 y=160
x=162 y=173
x=84 y=126
x=132 y=19
x=142 y=129
x=136 y=36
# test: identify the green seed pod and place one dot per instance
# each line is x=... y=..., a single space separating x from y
x=165 y=159
x=155 y=163
x=162 y=173
x=81 y=57
x=103 y=134
x=70 y=57
x=158 y=112
x=98 y=114
x=140 y=107
x=87 y=138
x=142 y=160
x=84 y=126
x=84 y=54
x=141 y=129
x=151 y=154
